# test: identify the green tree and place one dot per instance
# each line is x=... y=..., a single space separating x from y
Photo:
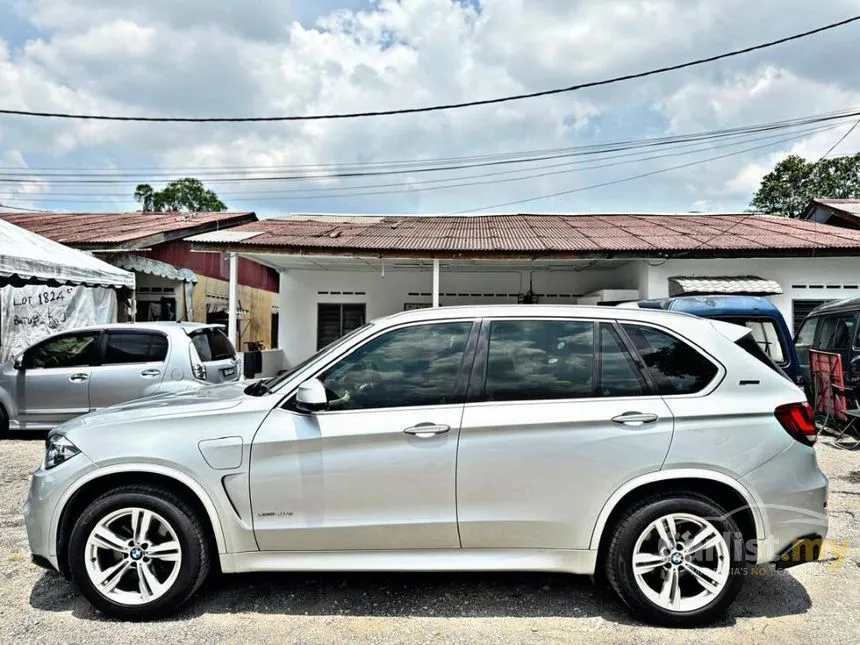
x=179 y=195
x=787 y=189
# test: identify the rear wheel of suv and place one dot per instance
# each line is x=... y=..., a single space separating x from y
x=138 y=552
x=676 y=559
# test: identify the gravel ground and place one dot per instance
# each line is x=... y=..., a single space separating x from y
x=817 y=602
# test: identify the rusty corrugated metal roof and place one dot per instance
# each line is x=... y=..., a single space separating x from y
x=527 y=235
x=123 y=230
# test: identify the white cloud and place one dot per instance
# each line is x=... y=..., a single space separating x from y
x=201 y=58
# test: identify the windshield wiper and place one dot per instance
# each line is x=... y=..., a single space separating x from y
x=258 y=388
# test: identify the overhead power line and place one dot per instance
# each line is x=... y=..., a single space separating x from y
x=444 y=106
x=18 y=175
x=430 y=185
x=792 y=137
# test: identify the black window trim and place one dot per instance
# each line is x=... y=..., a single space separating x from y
x=461 y=383
x=648 y=379
x=713 y=384
x=101 y=349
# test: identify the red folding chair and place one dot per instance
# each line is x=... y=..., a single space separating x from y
x=832 y=397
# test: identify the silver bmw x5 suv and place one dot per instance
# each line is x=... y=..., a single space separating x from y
x=660 y=450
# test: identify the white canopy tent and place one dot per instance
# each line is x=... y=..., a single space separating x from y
x=27 y=258
x=46 y=287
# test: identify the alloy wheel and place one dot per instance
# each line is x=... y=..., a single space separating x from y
x=133 y=556
x=681 y=562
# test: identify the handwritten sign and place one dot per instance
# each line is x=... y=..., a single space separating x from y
x=29 y=314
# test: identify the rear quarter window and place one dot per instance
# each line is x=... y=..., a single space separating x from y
x=212 y=345
x=676 y=367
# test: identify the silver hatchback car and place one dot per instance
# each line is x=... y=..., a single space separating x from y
x=661 y=450
x=73 y=372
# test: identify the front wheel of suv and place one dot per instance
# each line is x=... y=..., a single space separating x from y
x=138 y=552
x=676 y=559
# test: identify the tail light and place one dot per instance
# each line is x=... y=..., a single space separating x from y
x=198 y=369
x=798 y=420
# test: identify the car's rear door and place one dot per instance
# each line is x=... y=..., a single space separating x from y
x=559 y=416
x=53 y=385
x=376 y=470
x=132 y=366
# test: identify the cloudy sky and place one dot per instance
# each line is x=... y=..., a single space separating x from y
x=276 y=57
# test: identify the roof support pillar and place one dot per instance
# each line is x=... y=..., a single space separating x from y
x=435 y=283
x=232 y=300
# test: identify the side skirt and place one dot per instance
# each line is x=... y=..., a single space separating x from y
x=551 y=560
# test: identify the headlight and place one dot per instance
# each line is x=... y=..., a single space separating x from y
x=58 y=449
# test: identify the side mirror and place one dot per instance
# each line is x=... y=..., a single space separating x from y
x=311 y=396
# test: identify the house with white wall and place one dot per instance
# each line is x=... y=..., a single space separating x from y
x=338 y=271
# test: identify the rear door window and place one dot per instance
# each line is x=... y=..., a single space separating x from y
x=675 y=366
x=134 y=347
x=530 y=360
x=212 y=344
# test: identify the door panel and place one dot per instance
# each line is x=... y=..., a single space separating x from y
x=55 y=384
x=536 y=474
x=565 y=416
x=48 y=397
x=355 y=480
x=133 y=367
x=377 y=468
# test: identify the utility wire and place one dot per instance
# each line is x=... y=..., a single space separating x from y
x=446 y=106
x=424 y=186
x=614 y=181
x=173 y=171
x=583 y=151
x=618 y=181
x=746 y=217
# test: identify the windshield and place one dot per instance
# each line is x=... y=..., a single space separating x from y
x=280 y=378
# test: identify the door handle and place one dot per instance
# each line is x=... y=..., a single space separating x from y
x=424 y=430
x=78 y=378
x=150 y=373
x=635 y=418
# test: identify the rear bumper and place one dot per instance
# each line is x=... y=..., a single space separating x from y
x=791 y=494
x=802 y=550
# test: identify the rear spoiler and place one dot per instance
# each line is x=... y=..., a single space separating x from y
x=733 y=332
x=196 y=330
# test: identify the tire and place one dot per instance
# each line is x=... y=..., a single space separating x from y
x=151 y=577
x=4 y=423
x=702 y=585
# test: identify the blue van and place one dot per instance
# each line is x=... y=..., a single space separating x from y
x=760 y=315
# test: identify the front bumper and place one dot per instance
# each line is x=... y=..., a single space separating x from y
x=48 y=494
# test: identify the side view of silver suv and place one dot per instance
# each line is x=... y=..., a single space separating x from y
x=663 y=450
x=74 y=372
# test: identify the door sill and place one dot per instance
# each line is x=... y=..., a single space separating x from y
x=550 y=560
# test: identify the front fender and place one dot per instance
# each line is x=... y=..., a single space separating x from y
x=157 y=469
